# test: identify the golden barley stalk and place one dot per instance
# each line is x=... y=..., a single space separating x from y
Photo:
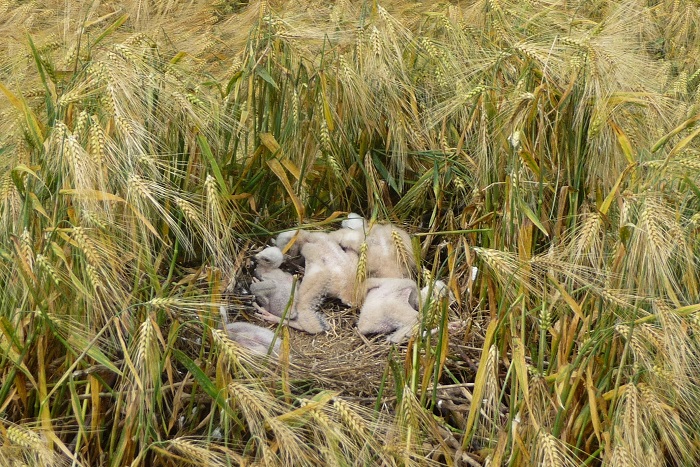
x=60 y=132
x=350 y=418
x=286 y=437
x=77 y=157
x=124 y=126
x=588 y=234
x=667 y=376
x=125 y=52
x=7 y=186
x=108 y=104
x=428 y=46
x=188 y=210
x=549 y=452
x=359 y=43
x=432 y=312
x=621 y=456
x=345 y=68
x=635 y=344
x=212 y=193
x=93 y=276
x=654 y=232
x=329 y=456
x=24 y=437
x=491 y=388
x=650 y=334
x=181 y=99
x=97 y=141
x=375 y=41
x=93 y=218
x=695 y=322
x=529 y=51
x=163 y=303
x=335 y=166
x=43 y=263
x=401 y=250
x=324 y=135
x=613 y=297
x=499 y=261
x=86 y=245
x=230 y=349
x=269 y=458
x=295 y=108
x=236 y=65
x=322 y=420
x=136 y=186
x=144 y=341
x=361 y=273
x=33 y=443
x=249 y=400
x=71 y=150
x=388 y=21
x=651 y=402
x=139 y=39
x=191 y=451
x=25 y=248
x=545 y=318
x=407 y=412
x=69 y=97
x=80 y=123
x=98 y=70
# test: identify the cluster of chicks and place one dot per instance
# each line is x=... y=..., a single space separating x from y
x=388 y=299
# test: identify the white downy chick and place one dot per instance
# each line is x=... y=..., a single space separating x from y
x=254 y=338
x=391 y=306
x=389 y=249
x=274 y=289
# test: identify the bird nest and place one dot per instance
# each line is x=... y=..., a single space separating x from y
x=362 y=368
x=355 y=365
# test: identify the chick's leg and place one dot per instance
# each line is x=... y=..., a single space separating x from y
x=311 y=291
x=267 y=316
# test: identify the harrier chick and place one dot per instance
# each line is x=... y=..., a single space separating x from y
x=392 y=306
x=254 y=338
x=329 y=272
x=274 y=289
x=389 y=250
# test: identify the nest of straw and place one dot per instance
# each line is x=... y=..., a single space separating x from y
x=357 y=366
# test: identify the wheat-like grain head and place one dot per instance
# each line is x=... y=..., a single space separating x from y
x=350 y=418
x=361 y=274
x=36 y=449
x=587 y=245
x=404 y=256
x=194 y=453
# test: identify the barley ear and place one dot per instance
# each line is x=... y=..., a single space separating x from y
x=401 y=251
x=361 y=275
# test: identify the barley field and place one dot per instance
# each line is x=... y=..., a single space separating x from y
x=147 y=148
